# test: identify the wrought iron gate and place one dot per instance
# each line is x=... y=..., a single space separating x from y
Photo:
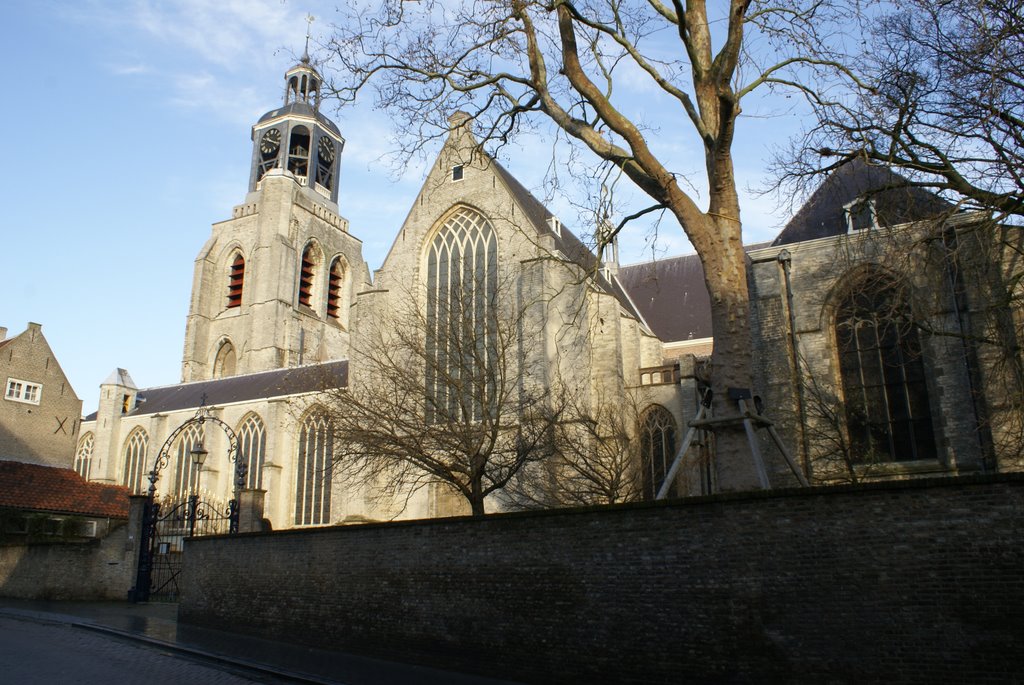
x=166 y=526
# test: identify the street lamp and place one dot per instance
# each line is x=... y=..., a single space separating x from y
x=198 y=454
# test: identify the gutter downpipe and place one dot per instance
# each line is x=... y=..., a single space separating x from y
x=785 y=259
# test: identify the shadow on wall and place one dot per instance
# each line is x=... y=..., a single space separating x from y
x=50 y=557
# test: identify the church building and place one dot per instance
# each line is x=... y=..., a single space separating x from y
x=284 y=311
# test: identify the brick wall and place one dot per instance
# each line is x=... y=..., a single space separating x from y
x=45 y=432
x=899 y=581
x=101 y=568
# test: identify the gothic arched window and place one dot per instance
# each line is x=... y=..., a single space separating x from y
x=462 y=284
x=83 y=456
x=335 y=288
x=313 y=472
x=236 y=277
x=135 y=460
x=252 y=448
x=657 y=450
x=884 y=392
x=307 y=274
x=225 y=361
x=186 y=473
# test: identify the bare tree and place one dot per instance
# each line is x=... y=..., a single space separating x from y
x=937 y=91
x=934 y=296
x=596 y=457
x=441 y=395
x=512 y=65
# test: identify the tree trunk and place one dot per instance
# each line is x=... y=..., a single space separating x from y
x=476 y=497
x=725 y=274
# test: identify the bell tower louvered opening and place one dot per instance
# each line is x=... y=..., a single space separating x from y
x=306 y=273
x=334 y=290
x=235 y=281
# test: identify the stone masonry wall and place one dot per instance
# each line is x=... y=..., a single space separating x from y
x=912 y=581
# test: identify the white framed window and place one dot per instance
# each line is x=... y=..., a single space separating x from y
x=861 y=215
x=23 y=391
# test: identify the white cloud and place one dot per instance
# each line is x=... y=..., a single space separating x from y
x=130 y=69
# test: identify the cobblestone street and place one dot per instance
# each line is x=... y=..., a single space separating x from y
x=42 y=653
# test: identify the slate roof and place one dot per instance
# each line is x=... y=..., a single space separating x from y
x=253 y=386
x=671 y=295
x=896 y=202
x=565 y=241
x=301 y=109
x=60 y=491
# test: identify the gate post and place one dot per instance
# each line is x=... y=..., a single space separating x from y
x=250 y=511
x=133 y=545
x=144 y=566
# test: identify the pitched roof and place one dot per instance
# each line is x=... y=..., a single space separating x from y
x=565 y=240
x=253 y=386
x=60 y=491
x=671 y=295
x=896 y=202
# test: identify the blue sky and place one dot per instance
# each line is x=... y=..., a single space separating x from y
x=129 y=124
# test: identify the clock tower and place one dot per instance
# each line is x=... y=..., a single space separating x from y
x=296 y=137
x=273 y=285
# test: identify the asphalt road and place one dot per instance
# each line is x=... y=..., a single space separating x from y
x=43 y=653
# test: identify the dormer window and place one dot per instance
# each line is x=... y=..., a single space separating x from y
x=555 y=225
x=860 y=215
x=457 y=172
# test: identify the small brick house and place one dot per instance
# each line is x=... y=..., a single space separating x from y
x=39 y=410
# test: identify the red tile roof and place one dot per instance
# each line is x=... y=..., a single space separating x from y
x=44 y=488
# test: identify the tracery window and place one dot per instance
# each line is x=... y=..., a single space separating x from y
x=462 y=284
x=135 y=460
x=252 y=447
x=83 y=456
x=335 y=284
x=884 y=391
x=186 y=473
x=657 y=450
x=313 y=473
x=236 y=277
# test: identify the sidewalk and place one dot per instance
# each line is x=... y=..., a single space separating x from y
x=157 y=624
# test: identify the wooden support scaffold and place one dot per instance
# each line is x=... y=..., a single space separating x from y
x=749 y=419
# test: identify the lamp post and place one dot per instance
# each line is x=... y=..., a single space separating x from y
x=198 y=454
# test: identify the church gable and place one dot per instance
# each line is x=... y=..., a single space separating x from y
x=463 y=176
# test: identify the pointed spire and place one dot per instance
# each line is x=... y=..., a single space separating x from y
x=309 y=27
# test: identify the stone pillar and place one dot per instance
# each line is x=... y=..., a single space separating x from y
x=136 y=518
x=250 y=511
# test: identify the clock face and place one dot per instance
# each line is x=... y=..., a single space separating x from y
x=326 y=148
x=270 y=141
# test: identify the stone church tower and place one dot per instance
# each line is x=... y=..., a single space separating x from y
x=273 y=284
